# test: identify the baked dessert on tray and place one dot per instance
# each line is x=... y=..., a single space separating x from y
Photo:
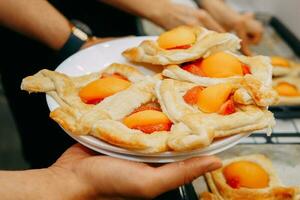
x=248 y=177
x=288 y=89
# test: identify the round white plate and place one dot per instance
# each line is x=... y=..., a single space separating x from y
x=100 y=56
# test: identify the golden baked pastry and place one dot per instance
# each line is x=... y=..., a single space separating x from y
x=248 y=178
x=210 y=112
x=284 y=67
x=182 y=44
x=281 y=66
x=288 y=89
x=255 y=73
x=111 y=119
x=118 y=105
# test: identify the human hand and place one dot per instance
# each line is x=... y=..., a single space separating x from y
x=249 y=30
x=84 y=175
x=178 y=14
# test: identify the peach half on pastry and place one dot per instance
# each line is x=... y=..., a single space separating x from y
x=97 y=90
x=212 y=99
x=218 y=65
x=287 y=89
x=148 y=121
x=245 y=174
x=181 y=37
x=279 y=61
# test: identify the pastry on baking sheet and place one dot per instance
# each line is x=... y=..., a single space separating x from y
x=118 y=105
x=216 y=110
x=288 y=89
x=224 y=67
x=247 y=177
x=284 y=67
x=281 y=66
x=182 y=44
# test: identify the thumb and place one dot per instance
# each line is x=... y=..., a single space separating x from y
x=176 y=174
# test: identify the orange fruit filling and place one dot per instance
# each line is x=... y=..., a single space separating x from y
x=221 y=65
x=177 y=37
x=99 y=89
x=279 y=61
x=181 y=47
x=116 y=75
x=194 y=67
x=213 y=97
x=245 y=174
x=148 y=121
x=191 y=96
x=148 y=106
x=286 y=89
x=227 y=108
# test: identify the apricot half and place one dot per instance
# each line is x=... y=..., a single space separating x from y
x=213 y=97
x=146 y=117
x=101 y=88
x=279 y=61
x=286 y=89
x=221 y=65
x=177 y=37
x=245 y=174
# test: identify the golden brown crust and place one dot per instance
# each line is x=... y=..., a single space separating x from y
x=257 y=85
x=292 y=69
x=275 y=191
x=288 y=100
x=103 y=120
x=191 y=129
x=206 y=42
x=247 y=118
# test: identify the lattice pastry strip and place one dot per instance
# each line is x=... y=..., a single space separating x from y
x=257 y=81
x=206 y=42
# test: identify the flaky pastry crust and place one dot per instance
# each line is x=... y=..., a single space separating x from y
x=288 y=100
x=104 y=120
x=258 y=84
x=246 y=119
x=292 y=70
x=275 y=190
x=206 y=42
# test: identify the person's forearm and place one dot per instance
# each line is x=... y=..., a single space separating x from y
x=31 y=184
x=37 y=185
x=36 y=19
x=223 y=13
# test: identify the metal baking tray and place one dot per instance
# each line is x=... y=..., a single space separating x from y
x=280 y=41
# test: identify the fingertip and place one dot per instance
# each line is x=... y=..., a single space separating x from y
x=207 y=163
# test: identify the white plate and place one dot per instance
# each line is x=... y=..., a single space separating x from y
x=98 y=57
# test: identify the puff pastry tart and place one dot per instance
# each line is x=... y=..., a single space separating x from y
x=117 y=105
x=248 y=178
x=113 y=105
x=281 y=66
x=182 y=44
x=284 y=67
x=288 y=89
x=255 y=73
x=208 y=112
